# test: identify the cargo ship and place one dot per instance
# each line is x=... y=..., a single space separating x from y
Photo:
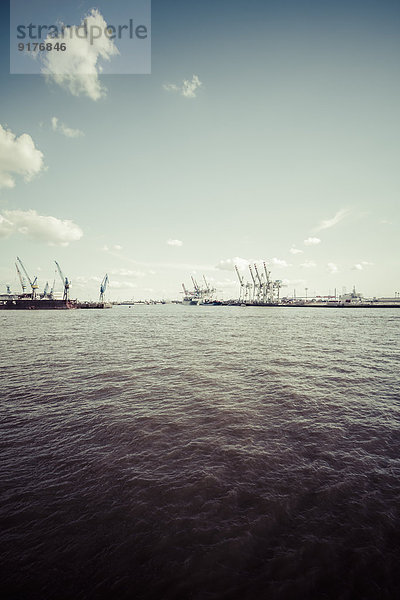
x=35 y=304
x=46 y=300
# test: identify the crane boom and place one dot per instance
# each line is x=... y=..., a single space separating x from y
x=196 y=285
x=22 y=280
x=239 y=276
x=258 y=275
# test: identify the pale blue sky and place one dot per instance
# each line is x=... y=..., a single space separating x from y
x=297 y=119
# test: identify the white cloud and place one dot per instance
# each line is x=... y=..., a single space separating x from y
x=174 y=243
x=77 y=69
x=294 y=250
x=38 y=227
x=278 y=262
x=228 y=264
x=67 y=131
x=18 y=156
x=187 y=89
x=312 y=241
x=333 y=221
x=243 y=263
x=122 y=285
x=127 y=272
x=308 y=264
x=332 y=268
x=360 y=266
x=115 y=247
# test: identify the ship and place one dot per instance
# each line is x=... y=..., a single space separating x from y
x=46 y=300
x=199 y=295
x=38 y=304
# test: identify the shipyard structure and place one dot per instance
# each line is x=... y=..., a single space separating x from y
x=46 y=300
x=260 y=289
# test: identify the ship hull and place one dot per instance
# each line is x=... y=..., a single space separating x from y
x=28 y=304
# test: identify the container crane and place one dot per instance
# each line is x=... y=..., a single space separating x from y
x=241 y=281
x=208 y=288
x=64 y=281
x=103 y=288
x=277 y=286
x=33 y=284
x=260 y=287
x=268 y=283
x=254 y=282
x=195 y=284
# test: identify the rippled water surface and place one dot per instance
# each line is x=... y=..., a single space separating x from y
x=170 y=452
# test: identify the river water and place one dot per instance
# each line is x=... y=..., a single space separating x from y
x=203 y=453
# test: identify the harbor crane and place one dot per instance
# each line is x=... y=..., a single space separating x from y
x=268 y=283
x=260 y=286
x=208 y=287
x=277 y=286
x=21 y=279
x=242 y=286
x=103 y=288
x=254 y=282
x=65 y=282
x=33 y=284
x=45 y=291
x=195 y=284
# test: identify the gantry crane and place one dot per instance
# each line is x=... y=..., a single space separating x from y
x=33 y=284
x=103 y=288
x=195 y=284
x=64 y=281
x=268 y=283
x=254 y=282
x=260 y=286
x=241 y=281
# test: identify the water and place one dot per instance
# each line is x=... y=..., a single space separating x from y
x=203 y=453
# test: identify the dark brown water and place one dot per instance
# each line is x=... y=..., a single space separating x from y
x=171 y=452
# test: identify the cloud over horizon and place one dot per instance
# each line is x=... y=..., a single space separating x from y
x=332 y=268
x=177 y=243
x=40 y=228
x=188 y=88
x=328 y=223
x=57 y=126
x=312 y=241
x=18 y=156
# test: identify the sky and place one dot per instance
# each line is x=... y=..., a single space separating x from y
x=265 y=131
